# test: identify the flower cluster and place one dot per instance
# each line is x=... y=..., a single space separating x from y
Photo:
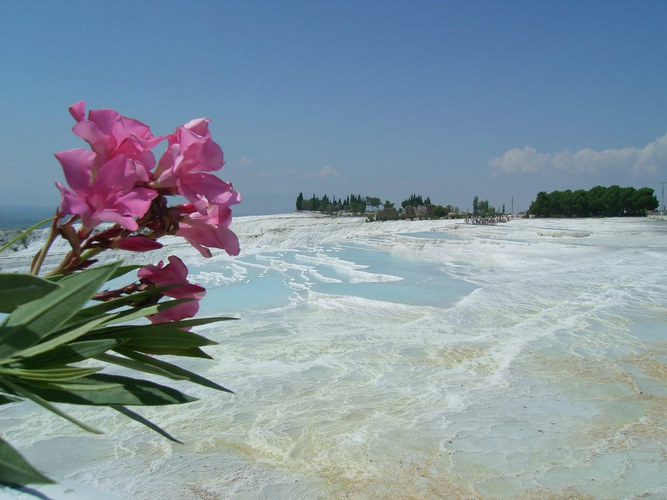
x=54 y=340
x=173 y=275
x=119 y=183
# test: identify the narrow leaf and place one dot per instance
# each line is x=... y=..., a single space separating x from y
x=6 y=399
x=141 y=312
x=117 y=390
x=25 y=233
x=28 y=394
x=14 y=469
x=159 y=335
x=17 y=289
x=127 y=300
x=32 y=321
x=149 y=364
x=136 y=365
x=187 y=323
x=190 y=352
x=50 y=374
x=55 y=341
x=71 y=353
x=130 y=314
x=142 y=420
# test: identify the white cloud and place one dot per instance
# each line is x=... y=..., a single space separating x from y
x=585 y=161
x=526 y=161
x=246 y=160
x=328 y=171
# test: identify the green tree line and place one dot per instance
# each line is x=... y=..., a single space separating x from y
x=353 y=203
x=356 y=203
x=612 y=201
x=414 y=200
x=482 y=208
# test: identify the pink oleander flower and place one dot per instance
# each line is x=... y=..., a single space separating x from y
x=210 y=230
x=184 y=165
x=107 y=195
x=174 y=273
x=110 y=134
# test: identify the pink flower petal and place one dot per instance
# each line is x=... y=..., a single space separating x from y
x=174 y=273
x=77 y=165
x=78 y=110
x=118 y=174
x=135 y=202
x=199 y=126
x=176 y=313
x=204 y=156
x=110 y=134
x=99 y=142
x=212 y=188
x=71 y=204
x=110 y=215
x=144 y=159
x=104 y=120
x=211 y=230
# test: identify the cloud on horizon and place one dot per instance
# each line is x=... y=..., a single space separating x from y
x=327 y=171
x=246 y=160
x=528 y=160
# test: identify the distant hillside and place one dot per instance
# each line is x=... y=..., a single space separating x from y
x=22 y=217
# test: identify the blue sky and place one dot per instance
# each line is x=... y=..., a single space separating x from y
x=450 y=100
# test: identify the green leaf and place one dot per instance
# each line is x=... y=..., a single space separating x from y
x=136 y=365
x=70 y=353
x=142 y=420
x=60 y=374
x=140 y=312
x=17 y=289
x=23 y=389
x=190 y=352
x=6 y=399
x=160 y=335
x=31 y=322
x=110 y=305
x=76 y=290
x=200 y=321
x=14 y=469
x=55 y=341
x=105 y=390
x=130 y=314
x=25 y=233
x=187 y=323
x=148 y=364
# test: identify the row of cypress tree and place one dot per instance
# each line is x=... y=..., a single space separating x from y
x=352 y=203
x=600 y=201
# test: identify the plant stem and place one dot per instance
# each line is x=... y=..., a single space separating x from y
x=41 y=255
x=68 y=266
